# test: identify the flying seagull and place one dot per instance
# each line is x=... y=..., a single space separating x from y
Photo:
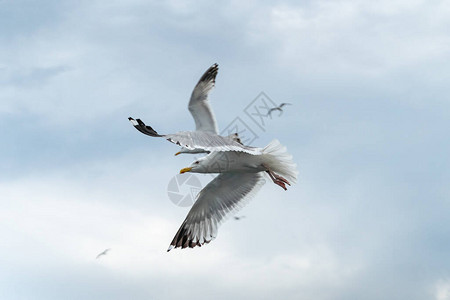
x=103 y=253
x=239 y=180
x=279 y=108
x=237 y=218
x=205 y=121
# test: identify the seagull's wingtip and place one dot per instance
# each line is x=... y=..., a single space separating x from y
x=133 y=121
x=170 y=248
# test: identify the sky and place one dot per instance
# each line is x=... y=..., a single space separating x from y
x=368 y=128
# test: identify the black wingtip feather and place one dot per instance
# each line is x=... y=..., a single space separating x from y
x=184 y=240
x=148 y=130
x=210 y=74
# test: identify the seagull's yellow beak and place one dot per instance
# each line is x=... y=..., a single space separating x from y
x=184 y=170
x=177 y=153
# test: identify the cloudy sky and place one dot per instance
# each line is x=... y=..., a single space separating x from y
x=369 y=83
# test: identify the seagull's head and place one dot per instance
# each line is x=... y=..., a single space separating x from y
x=215 y=162
x=195 y=167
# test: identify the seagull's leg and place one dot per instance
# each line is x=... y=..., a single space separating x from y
x=278 y=177
x=275 y=180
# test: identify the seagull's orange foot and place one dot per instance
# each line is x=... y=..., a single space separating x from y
x=278 y=180
x=281 y=183
x=278 y=177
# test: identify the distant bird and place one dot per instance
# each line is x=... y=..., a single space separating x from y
x=103 y=253
x=238 y=218
x=279 y=107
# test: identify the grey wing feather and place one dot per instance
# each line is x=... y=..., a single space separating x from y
x=199 y=104
x=222 y=197
x=209 y=142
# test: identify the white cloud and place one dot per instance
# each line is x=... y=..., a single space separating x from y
x=442 y=290
x=355 y=37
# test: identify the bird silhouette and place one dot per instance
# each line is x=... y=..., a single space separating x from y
x=103 y=253
x=279 y=108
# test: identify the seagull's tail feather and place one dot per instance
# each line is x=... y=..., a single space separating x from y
x=280 y=161
x=139 y=125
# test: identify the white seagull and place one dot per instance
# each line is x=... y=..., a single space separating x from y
x=205 y=121
x=279 y=108
x=241 y=176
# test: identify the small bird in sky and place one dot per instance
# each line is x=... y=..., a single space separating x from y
x=103 y=253
x=237 y=218
x=279 y=108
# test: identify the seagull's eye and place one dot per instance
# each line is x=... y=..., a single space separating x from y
x=197 y=162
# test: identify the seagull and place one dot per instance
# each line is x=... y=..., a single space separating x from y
x=279 y=107
x=103 y=253
x=238 y=218
x=238 y=181
x=203 y=115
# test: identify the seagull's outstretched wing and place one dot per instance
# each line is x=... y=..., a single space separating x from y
x=209 y=142
x=197 y=139
x=199 y=104
x=222 y=197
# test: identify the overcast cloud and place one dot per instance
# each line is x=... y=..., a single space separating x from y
x=368 y=128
